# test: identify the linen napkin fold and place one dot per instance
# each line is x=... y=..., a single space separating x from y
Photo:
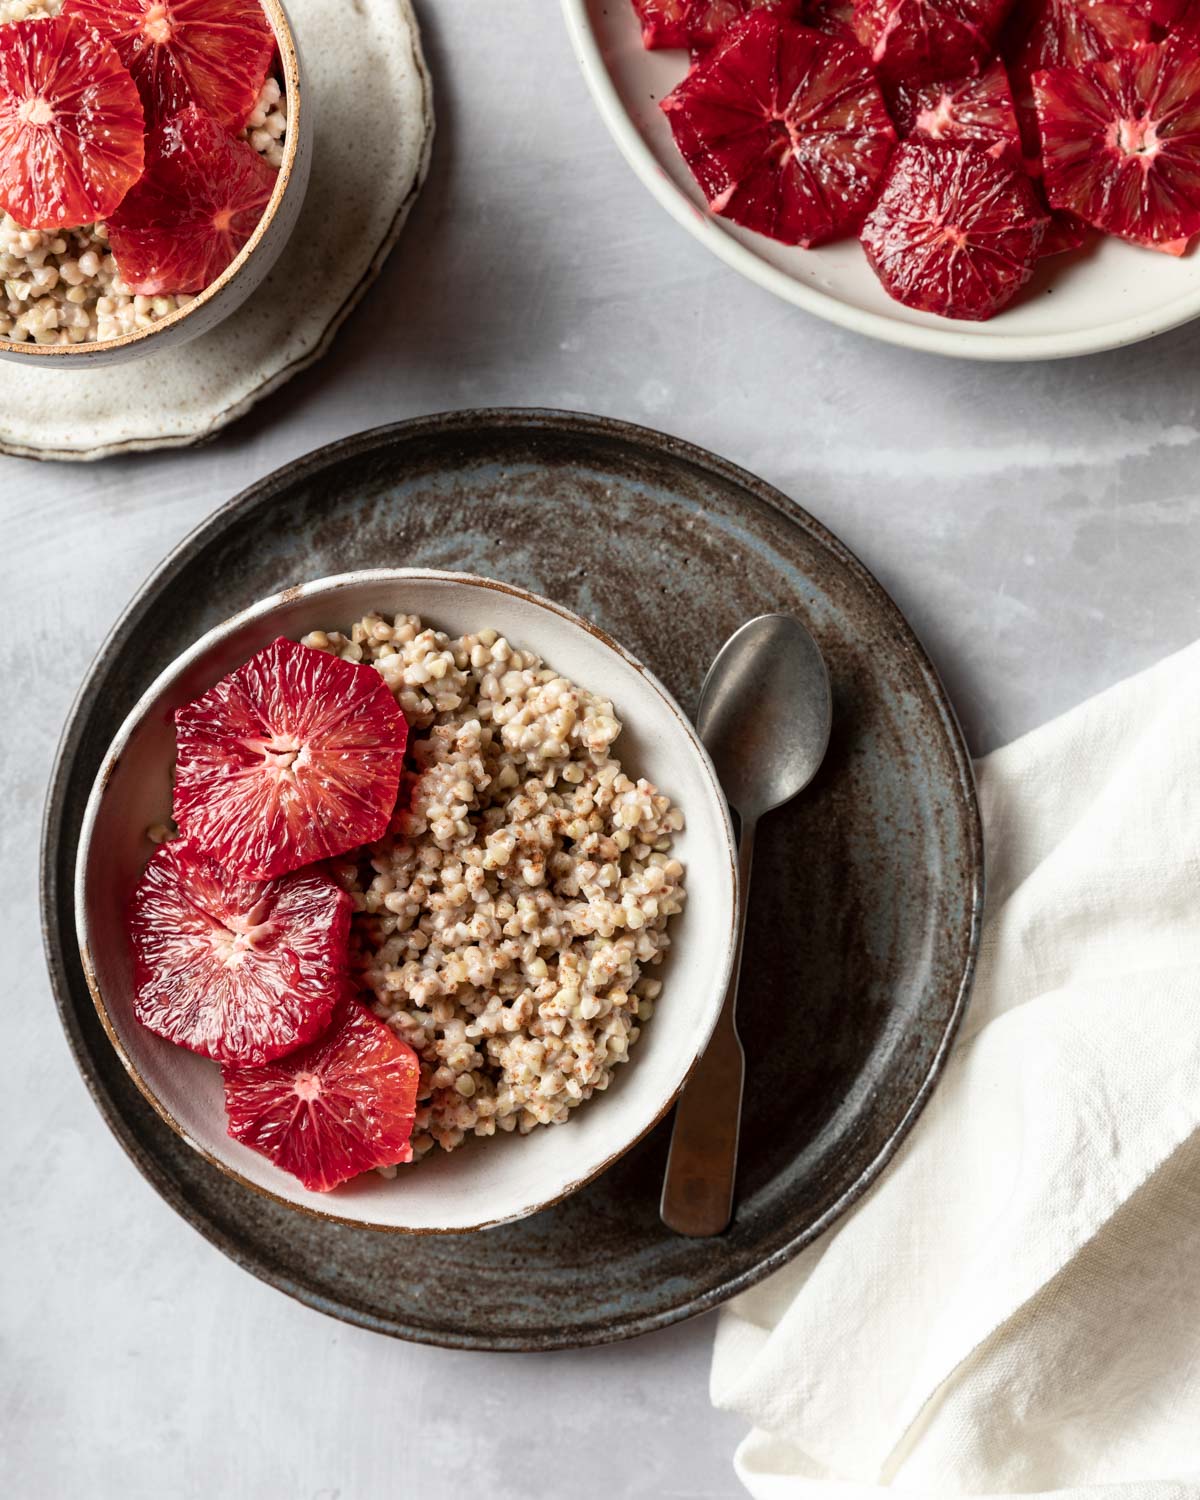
x=1015 y=1307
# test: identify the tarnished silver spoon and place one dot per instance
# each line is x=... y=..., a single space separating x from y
x=764 y=717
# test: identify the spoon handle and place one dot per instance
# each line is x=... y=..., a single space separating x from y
x=697 y=1196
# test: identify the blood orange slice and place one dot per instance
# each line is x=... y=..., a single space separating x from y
x=1121 y=142
x=977 y=110
x=71 y=125
x=917 y=41
x=664 y=22
x=213 y=53
x=240 y=970
x=198 y=203
x=1173 y=16
x=1064 y=33
x=784 y=129
x=954 y=231
x=294 y=757
x=1064 y=233
x=833 y=17
x=699 y=24
x=332 y=1110
x=709 y=20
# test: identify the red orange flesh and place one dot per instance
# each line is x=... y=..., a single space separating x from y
x=785 y=130
x=294 y=757
x=211 y=53
x=954 y=231
x=239 y=970
x=71 y=125
x=1121 y=142
x=341 y=1106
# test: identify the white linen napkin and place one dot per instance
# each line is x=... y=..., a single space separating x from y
x=1015 y=1307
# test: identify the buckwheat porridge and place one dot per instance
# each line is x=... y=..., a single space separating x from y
x=509 y=924
x=63 y=286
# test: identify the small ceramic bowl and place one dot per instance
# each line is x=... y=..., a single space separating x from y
x=244 y=273
x=1101 y=298
x=486 y=1181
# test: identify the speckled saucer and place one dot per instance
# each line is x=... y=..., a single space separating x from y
x=362 y=62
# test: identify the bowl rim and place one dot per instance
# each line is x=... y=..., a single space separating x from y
x=963 y=342
x=262 y=609
x=290 y=63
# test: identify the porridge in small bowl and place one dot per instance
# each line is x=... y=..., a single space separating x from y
x=509 y=925
x=141 y=146
x=411 y=896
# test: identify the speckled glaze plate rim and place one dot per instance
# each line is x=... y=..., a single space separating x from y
x=216 y=423
x=60 y=946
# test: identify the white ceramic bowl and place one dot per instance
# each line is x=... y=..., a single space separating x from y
x=1111 y=295
x=486 y=1181
x=243 y=274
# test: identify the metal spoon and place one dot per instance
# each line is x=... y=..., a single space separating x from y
x=764 y=717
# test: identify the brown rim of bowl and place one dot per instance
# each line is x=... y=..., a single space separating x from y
x=291 y=81
x=264 y=607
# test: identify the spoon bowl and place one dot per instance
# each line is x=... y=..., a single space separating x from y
x=765 y=713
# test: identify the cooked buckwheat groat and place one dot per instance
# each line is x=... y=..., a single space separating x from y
x=507 y=924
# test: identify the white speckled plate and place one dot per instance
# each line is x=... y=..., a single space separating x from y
x=362 y=67
x=1110 y=295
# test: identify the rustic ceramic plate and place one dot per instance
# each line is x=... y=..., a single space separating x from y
x=867 y=895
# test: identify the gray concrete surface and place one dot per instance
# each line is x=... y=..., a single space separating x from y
x=1037 y=524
